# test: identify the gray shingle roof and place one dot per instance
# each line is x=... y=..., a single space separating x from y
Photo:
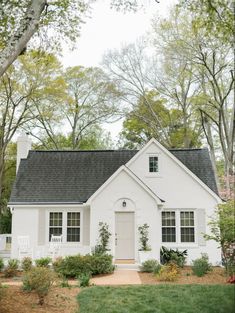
x=73 y=176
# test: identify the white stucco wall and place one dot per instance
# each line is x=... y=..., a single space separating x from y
x=109 y=201
x=26 y=222
x=180 y=191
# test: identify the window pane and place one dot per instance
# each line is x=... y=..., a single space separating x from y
x=57 y=231
x=187 y=218
x=153 y=164
x=73 y=219
x=168 y=218
x=55 y=218
x=168 y=234
x=73 y=234
x=187 y=234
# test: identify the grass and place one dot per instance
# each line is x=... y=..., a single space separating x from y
x=158 y=299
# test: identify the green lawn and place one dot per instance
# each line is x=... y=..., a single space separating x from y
x=158 y=299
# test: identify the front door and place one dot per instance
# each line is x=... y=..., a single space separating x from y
x=124 y=235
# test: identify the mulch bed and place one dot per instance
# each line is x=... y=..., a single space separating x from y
x=217 y=276
x=59 y=300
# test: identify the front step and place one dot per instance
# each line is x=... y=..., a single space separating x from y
x=122 y=266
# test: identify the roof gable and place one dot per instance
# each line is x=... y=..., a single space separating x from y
x=125 y=169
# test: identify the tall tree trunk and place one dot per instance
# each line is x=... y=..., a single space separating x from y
x=21 y=37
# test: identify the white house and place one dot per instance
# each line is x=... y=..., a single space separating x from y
x=70 y=192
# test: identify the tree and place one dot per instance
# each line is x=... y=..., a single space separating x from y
x=222 y=231
x=19 y=91
x=22 y=21
x=211 y=62
x=96 y=138
x=91 y=99
x=140 y=124
x=218 y=14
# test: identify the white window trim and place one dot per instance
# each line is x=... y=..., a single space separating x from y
x=178 y=243
x=64 y=212
x=160 y=166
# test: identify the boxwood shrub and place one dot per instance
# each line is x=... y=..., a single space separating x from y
x=73 y=266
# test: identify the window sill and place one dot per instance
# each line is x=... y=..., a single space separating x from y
x=185 y=245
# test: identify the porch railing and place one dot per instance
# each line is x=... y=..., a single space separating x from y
x=5 y=242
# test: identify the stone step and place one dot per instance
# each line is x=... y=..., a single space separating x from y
x=134 y=267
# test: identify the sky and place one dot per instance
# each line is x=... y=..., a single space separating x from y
x=108 y=29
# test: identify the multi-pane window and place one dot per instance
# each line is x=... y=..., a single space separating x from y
x=153 y=164
x=187 y=226
x=55 y=224
x=168 y=227
x=73 y=226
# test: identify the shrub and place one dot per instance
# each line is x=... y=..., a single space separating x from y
x=99 y=264
x=1 y=264
x=144 y=237
x=168 y=272
x=11 y=268
x=26 y=264
x=57 y=263
x=40 y=280
x=43 y=262
x=72 y=266
x=84 y=279
x=170 y=255
x=201 y=266
x=104 y=235
x=150 y=266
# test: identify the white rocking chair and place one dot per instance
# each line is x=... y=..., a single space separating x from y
x=55 y=246
x=24 y=248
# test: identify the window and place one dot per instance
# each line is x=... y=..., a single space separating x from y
x=187 y=226
x=168 y=227
x=67 y=224
x=153 y=164
x=73 y=226
x=55 y=224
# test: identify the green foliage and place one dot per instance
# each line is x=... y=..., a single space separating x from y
x=222 y=231
x=84 y=279
x=43 y=262
x=141 y=124
x=170 y=255
x=11 y=268
x=201 y=266
x=26 y=264
x=1 y=264
x=168 y=272
x=40 y=280
x=72 y=266
x=218 y=14
x=104 y=236
x=64 y=282
x=144 y=237
x=5 y=221
x=150 y=266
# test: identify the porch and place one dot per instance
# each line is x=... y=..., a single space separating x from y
x=5 y=246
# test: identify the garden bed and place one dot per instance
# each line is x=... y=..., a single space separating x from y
x=60 y=300
x=216 y=276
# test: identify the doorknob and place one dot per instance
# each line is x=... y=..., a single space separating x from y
x=115 y=239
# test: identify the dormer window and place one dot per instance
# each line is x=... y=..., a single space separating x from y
x=153 y=164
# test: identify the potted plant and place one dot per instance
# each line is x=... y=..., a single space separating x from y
x=145 y=252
